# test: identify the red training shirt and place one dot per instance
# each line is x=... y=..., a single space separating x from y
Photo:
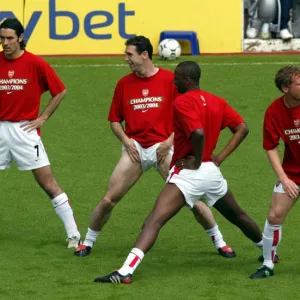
x=283 y=122
x=199 y=109
x=145 y=104
x=22 y=82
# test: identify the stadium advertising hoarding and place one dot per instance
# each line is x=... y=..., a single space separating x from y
x=71 y=27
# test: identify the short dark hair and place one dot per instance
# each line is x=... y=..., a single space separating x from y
x=190 y=69
x=141 y=43
x=15 y=24
x=285 y=76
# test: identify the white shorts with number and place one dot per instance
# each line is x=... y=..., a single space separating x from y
x=25 y=148
x=205 y=183
x=148 y=155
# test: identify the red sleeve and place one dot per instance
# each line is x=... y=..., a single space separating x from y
x=231 y=118
x=50 y=80
x=186 y=118
x=116 y=108
x=270 y=134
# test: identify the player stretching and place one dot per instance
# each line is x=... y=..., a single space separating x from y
x=198 y=119
x=143 y=99
x=282 y=121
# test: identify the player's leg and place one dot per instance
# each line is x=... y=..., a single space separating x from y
x=60 y=202
x=5 y=155
x=281 y=204
x=32 y=156
x=169 y=203
x=203 y=216
x=230 y=209
x=124 y=176
x=164 y=167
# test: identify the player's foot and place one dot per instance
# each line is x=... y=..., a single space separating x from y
x=82 y=250
x=262 y=272
x=115 y=277
x=73 y=242
x=227 y=252
x=276 y=259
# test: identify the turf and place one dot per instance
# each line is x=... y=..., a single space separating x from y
x=183 y=264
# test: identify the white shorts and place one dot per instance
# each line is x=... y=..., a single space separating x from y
x=148 y=155
x=278 y=188
x=207 y=183
x=25 y=148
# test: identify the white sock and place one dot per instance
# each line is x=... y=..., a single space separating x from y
x=271 y=240
x=132 y=261
x=91 y=237
x=64 y=211
x=216 y=236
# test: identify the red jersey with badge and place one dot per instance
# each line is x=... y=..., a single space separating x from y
x=199 y=109
x=22 y=82
x=283 y=122
x=145 y=104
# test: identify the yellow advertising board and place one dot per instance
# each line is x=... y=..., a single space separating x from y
x=72 y=27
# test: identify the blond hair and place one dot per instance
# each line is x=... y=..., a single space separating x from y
x=285 y=76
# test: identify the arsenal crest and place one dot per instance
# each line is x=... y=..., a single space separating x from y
x=11 y=74
x=297 y=122
x=145 y=92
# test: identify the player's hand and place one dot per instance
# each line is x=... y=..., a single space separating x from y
x=33 y=124
x=132 y=150
x=290 y=187
x=162 y=152
x=187 y=163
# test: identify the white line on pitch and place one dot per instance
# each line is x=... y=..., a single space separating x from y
x=174 y=64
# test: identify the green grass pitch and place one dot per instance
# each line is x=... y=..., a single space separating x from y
x=34 y=261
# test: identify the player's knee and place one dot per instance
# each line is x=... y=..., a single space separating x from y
x=154 y=221
x=274 y=219
x=242 y=216
x=153 y=224
x=238 y=217
x=108 y=204
x=199 y=209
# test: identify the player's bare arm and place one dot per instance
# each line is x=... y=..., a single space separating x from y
x=118 y=130
x=193 y=162
x=49 y=110
x=163 y=150
x=290 y=187
x=239 y=134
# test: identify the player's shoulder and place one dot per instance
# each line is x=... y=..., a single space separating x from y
x=276 y=105
x=35 y=59
x=32 y=56
x=127 y=78
x=167 y=74
x=182 y=100
x=211 y=96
